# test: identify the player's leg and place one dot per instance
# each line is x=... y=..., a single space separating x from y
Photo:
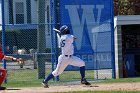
x=3 y=73
x=75 y=61
x=83 y=79
x=59 y=69
x=62 y=64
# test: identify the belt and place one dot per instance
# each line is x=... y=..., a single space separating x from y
x=68 y=55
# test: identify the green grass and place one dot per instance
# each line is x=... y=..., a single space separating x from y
x=121 y=80
x=29 y=78
x=75 y=75
x=37 y=82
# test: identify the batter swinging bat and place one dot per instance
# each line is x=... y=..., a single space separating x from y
x=58 y=31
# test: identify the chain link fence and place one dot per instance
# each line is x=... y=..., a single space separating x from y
x=28 y=34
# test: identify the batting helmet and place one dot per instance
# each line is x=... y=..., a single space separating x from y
x=64 y=30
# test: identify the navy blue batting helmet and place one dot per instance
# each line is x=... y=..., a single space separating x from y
x=64 y=29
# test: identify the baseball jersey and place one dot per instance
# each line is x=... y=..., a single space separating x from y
x=66 y=43
x=1 y=54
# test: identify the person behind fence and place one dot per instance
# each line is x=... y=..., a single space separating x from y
x=67 y=57
x=3 y=72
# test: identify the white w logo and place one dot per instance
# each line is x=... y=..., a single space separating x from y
x=87 y=17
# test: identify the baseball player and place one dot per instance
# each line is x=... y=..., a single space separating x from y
x=67 y=57
x=3 y=72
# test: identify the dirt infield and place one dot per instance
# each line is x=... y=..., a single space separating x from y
x=93 y=87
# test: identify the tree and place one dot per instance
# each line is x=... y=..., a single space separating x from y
x=126 y=7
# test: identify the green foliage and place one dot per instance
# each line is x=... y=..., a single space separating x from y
x=126 y=7
x=48 y=50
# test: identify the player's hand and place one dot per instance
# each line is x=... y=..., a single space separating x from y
x=20 y=60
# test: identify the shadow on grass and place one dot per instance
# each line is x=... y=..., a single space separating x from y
x=12 y=89
x=90 y=86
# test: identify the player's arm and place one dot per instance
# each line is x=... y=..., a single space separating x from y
x=11 y=58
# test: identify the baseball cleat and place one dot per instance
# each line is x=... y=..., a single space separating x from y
x=2 y=88
x=45 y=84
x=84 y=81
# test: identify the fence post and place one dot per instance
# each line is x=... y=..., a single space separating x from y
x=3 y=32
x=41 y=38
x=34 y=56
x=113 y=43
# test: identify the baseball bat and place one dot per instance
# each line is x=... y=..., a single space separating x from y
x=56 y=30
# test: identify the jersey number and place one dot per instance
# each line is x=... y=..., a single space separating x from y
x=62 y=43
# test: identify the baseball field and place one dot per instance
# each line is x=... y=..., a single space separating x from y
x=124 y=85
